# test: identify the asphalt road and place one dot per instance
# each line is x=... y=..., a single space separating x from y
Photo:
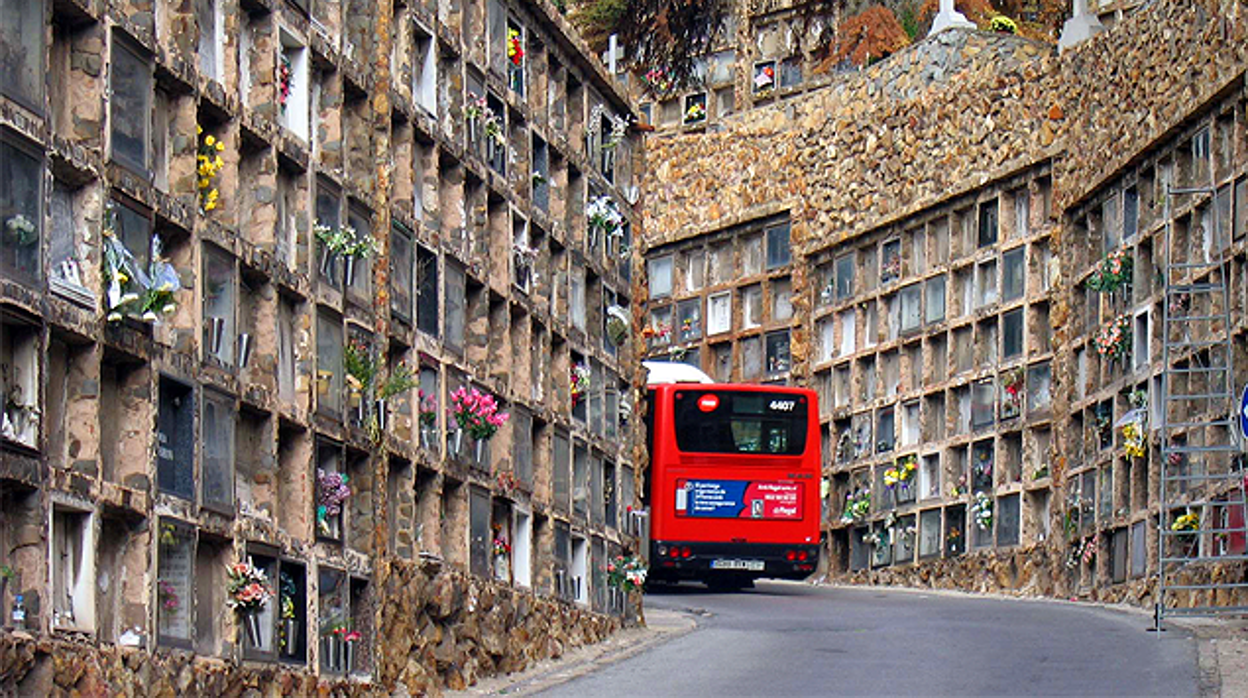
x=790 y=639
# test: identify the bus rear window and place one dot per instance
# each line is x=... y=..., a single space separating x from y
x=710 y=421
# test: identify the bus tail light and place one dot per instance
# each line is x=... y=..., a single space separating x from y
x=685 y=552
x=801 y=556
x=790 y=555
x=662 y=551
x=675 y=551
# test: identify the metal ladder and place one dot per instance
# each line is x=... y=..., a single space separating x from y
x=1199 y=422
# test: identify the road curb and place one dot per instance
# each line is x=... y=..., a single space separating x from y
x=662 y=626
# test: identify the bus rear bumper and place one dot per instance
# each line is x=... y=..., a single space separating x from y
x=706 y=561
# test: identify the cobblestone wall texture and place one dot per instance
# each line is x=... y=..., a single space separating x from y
x=440 y=629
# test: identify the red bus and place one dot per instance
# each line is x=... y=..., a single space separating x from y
x=733 y=482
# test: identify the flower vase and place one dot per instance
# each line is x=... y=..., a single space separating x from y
x=379 y=408
x=251 y=623
x=348 y=271
x=291 y=627
x=1188 y=544
x=479 y=444
x=502 y=570
x=330 y=649
x=428 y=436
x=455 y=440
x=327 y=263
x=348 y=651
x=216 y=333
x=244 y=349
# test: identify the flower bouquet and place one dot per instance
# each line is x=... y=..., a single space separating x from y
x=901 y=473
x=1133 y=440
x=332 y=491
x=131 y=291
x=338 y=644
x=657 y=82
x=981 y=511
x=427 y=410
x=857 y=506
x=958 y=488
x=506 y=482
x=289 y=630
x=891 y=269
x=626 y=573
x=21 y=230
x=342 y=241
x=475 y=106
x=247 y=592
x=953 y=541
x=660 y=333
x=167 y=594
x=477 y=414
x=579 y=382
x=1113 y=341
x=695 y=113
x=764 y=79
x=515 y=47
x=1111 y=273
x=1083 y=552
x=209 y=165
x=500 y=554
x=1012 y=382
x=604 y=215
x=500 y=545
x=284 y=75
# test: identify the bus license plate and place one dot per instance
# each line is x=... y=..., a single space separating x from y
x=749 y=565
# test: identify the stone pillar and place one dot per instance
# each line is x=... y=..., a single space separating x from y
x=950 y=18
x=1082 y=25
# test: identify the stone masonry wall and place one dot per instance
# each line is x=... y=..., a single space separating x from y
x=943 y=117
x=439 y=629
x=956 y=115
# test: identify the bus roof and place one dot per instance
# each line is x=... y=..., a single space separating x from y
x=672 y=372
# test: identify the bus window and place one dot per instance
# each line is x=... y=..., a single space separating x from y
x=708 y=421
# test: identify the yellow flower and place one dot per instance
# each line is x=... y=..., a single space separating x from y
x=220 y=146
x=210 y=205
x=219 y=163
x=198 y=129
x=203 y=184
x=209 y=141
x=121 y=277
